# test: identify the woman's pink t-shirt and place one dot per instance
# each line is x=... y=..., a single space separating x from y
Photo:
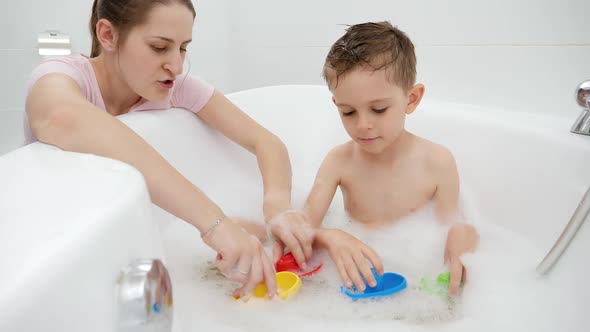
x=189 y=92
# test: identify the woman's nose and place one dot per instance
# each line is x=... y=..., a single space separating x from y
x=174 y=64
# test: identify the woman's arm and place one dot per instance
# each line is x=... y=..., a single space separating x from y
x=271 y=154
x=60 y=115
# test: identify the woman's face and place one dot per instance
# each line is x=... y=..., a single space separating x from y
x=153 y=53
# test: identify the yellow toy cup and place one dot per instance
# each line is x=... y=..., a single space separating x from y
x=288 y=283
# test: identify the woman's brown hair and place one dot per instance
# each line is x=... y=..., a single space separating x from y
x=124 y=15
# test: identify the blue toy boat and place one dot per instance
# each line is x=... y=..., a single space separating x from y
x=387 y=284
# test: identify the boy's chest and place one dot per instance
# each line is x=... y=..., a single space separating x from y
x=382 y=194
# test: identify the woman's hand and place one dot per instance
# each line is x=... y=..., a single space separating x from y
x=350 y=256
x=240 y=257
x=292 y=229
x=462 y=238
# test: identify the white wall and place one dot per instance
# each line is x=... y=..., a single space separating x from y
x=22 y=20
x=523 y=55
x=527 y=54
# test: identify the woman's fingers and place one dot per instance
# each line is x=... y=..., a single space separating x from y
x=227 y=239
x=269 y=274
x=241 y=258
x=252 y=278
x=278 y=250
x=242 y=271
x=226 y=261
x=291 y=242
x=293 y=230
x=304 y=234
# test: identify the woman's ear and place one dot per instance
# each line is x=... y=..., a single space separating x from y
x=106 y=34
x=415 y=95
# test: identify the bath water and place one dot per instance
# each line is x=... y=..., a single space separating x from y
x=502 y=292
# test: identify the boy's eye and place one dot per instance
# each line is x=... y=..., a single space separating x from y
x=381 y=110
x=348 y=113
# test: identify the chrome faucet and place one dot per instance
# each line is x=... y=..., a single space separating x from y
x=582 y=124
x=145 y=297
x=571 y=229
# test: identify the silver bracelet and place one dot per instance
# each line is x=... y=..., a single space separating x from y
x=212 y=228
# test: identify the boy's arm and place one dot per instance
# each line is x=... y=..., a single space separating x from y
x=461 y=238
x=352 y=257
x=446 y=196
x=324 y=187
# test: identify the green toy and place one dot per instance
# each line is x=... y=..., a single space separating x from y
x=440 y=286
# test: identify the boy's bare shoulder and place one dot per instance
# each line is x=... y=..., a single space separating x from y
x=436 y=155
x=340 y=152
x=333 y=164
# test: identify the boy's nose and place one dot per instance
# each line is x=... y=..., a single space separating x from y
x=364 y=122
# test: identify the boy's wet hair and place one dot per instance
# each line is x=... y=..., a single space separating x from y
x=375 y=45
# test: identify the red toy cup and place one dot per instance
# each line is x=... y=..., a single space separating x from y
x=288 y=263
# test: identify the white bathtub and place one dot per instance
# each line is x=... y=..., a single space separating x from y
x=524 y=173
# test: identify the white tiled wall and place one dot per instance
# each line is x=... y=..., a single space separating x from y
x=20 y=22
x=524 y=55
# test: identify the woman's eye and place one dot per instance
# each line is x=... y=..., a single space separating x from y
x=183 y=50
x=159 y=49
x=348 y=113
x=381 y=110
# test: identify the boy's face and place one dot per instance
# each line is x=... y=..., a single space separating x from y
x=373 y=109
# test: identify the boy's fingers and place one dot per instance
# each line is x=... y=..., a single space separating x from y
x=353 y=273
x=365 y=270
x=464 y=274
x=375 y=260
x=343 y=274
x=456 y=275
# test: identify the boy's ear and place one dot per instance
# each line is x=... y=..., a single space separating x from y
x=415 y=95
x=106 y=34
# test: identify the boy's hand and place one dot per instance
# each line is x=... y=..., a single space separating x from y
x=293 y=230
x=462 y=238
x=350 y=256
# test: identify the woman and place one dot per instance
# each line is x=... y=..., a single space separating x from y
x=138 y=50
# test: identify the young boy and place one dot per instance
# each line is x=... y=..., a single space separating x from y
x=384 y=172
